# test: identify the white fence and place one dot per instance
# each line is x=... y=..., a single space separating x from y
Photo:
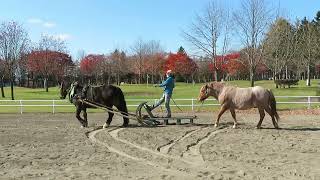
x=192 y=102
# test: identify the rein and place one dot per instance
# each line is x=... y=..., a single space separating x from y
x=176 y=104
x=199 y=107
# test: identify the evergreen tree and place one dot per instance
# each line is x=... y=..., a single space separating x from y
x=181 y=50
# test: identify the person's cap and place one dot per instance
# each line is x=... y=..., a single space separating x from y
x=169 y=72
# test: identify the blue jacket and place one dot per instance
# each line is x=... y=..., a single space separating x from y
x=168 y=85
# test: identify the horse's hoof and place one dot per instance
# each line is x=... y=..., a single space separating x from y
x=258 y=127
x=234 y=126
x=105 y=125
x=215 y=125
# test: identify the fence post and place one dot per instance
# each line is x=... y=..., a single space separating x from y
x=21 y=107
x=192 y=104
x=53 y=107
x=309 y=102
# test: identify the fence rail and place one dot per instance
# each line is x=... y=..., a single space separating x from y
x=192 y=102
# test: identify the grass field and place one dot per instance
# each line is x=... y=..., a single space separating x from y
x=149 y=93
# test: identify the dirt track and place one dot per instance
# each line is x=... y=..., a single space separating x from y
x=47 y=146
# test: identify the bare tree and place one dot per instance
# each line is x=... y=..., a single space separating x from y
x=210 y=29
x=154 y=59
x=118 y=63
x=13 y=43
x=105 y=67
x=3 y=73
x=80 y=55
x=252 y=20
x=47 y=44
x=52 y=43
x=140 y=51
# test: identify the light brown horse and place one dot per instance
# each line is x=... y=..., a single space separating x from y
x=233 y=98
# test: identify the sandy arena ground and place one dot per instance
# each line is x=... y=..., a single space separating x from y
x=46 y=146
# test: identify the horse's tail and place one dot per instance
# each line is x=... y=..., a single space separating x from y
x=273 y=105
x=123 y=103
x=123 y=107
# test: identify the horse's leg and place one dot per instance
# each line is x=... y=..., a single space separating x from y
x=274 y=122
x=262 y=114
x=85 y=117
x=78 y=111
x=110 y=115
x=222 y=110
x=233 y=113
x=125 y=120
x=123 y=108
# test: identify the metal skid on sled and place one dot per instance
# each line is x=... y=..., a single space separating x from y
x=150 y=119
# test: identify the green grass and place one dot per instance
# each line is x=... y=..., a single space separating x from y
x=149 y=93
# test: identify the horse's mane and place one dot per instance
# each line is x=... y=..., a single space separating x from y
x=216 y=85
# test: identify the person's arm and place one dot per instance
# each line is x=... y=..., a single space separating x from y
x=165 y=83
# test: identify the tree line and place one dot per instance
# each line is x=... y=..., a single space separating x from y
x=272 y=46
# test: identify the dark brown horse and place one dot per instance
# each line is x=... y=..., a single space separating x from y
x=233 y=98
x=106 y=95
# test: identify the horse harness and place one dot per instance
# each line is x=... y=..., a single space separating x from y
x=84 y=93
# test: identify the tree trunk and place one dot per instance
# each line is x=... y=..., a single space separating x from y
x=2 y=89
x=308 y=76
x=251 y=77
x=11 y=85
x=152 y=79
x=28 y=81
x=139 y=80
x=216 y=75
x=118 y=79
x=45 y=84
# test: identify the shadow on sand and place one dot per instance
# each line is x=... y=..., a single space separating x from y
x=297 y=129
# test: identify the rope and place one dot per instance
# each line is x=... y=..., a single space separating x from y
x=180 y=108
x=111 y=110
x=176 y=104
x=198 y=110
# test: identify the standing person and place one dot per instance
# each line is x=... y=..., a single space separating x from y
x=168 y=86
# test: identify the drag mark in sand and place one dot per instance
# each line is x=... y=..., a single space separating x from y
x=193 y=153
x=114 y=134
x=166 y=148
x=92 y=137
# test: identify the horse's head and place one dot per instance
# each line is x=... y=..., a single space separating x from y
x=211 y=89
x=66 y=88
x=204 y=93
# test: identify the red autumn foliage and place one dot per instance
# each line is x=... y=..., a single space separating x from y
x=155 y=64
x=236 y=67
x=318 y=68
x=90 y=63
x=229 y=64
x=48 y=63
x=180 y=63
x=261 y=68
